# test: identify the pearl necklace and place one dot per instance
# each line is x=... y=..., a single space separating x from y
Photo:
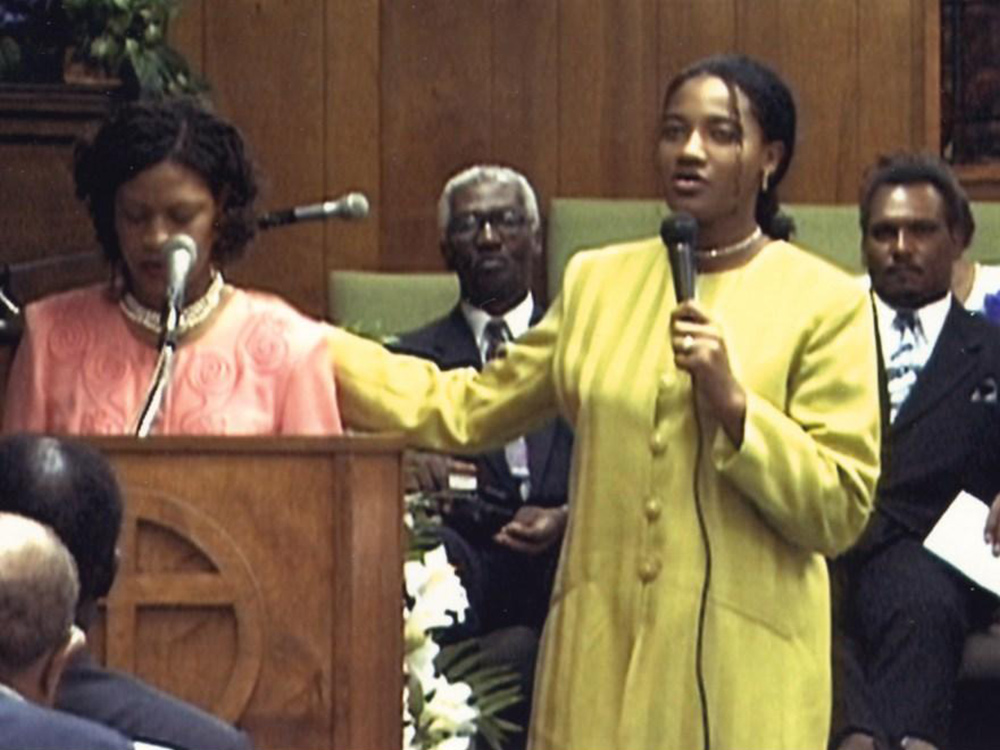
x=191 y=316
x=735 y=249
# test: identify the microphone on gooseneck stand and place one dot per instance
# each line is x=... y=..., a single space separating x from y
x=180 y=253
x=679 y=233
x=11 y=315
x=350 y=206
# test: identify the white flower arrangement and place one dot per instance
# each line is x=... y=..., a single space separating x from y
x=436 y=713
x=448 y=697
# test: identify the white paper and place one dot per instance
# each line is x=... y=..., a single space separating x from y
x=957 y=538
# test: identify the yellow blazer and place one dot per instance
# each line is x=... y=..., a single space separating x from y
x=618 y=661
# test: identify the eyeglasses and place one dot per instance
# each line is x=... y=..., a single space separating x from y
x=508 y=222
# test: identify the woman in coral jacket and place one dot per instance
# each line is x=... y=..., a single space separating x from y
x=247 y=363
x=724 y=446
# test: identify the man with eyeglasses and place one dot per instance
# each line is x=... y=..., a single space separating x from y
x=504 y=514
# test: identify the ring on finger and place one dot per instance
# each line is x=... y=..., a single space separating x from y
x=687 y=343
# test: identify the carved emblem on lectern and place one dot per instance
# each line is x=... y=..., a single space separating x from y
x=185 y=596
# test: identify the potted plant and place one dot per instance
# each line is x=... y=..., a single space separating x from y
x=127 y=39
x=33 y=40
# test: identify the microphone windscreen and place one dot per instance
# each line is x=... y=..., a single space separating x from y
x=182 y=243
x=679 y=229
x=356 y=206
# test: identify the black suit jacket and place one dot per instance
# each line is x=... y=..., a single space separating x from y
x=946 y=436
x=449 y=343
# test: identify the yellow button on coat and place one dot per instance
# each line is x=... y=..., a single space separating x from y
x=657 y=443
x=649 y=569
x=653 y=509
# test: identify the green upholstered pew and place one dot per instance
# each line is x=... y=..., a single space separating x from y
x=378 y=303
x=381 y=304
x=828 y=230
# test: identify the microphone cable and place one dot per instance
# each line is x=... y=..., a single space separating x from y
x=703 y=602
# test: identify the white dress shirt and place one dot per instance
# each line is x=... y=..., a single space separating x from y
x=930 y=320
x=518 y=320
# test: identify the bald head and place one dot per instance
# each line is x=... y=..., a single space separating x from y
x=38 y=593
x=70 y=487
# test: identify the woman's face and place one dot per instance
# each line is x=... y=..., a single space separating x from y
x=161 y=201
x=712 y=163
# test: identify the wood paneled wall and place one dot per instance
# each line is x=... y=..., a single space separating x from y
x=392 y=97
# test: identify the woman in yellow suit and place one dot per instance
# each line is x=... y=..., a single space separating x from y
x=737 y=432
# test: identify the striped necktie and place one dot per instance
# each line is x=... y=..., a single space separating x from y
x=905 y=361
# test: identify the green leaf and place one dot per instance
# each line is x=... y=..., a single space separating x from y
x=10 y=57
x=491 y=686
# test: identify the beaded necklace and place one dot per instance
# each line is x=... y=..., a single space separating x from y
x=191 y=316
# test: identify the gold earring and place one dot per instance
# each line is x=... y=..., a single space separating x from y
x=764 y=179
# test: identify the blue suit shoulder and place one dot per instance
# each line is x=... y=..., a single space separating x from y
x=26 y=725
x=140 y=711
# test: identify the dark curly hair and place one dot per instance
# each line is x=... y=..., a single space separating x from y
x=904 y=168
x=773 y=106
x=140 y=135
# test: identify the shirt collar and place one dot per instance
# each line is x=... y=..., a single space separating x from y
x=518 y=318
x=931 y=317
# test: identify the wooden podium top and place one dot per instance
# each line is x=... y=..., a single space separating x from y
x=366 y=443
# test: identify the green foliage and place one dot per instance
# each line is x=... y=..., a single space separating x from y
x=493 y=688
x=128 y=38
x=10 y=57
x=426 y=517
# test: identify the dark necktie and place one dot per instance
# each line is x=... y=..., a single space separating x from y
x=495 y=335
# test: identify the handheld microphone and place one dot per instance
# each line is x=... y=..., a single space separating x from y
x=679 y=233
x=180 y=252
x=350 y=206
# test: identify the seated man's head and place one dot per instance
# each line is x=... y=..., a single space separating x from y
x=38 y=593
x=490 y=235
x=70 y=487
x=915 y=223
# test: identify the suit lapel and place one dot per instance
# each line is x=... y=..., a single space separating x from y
x=454 y=344
x=953 y=360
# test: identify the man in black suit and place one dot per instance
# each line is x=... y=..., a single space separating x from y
x=38 y=591
x=504 y=540
x=904 y=613
x=70 y=487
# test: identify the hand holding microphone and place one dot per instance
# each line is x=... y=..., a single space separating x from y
x=679 y=233
x=698 y=341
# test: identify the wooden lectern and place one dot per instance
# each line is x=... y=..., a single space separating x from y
x=261 y=579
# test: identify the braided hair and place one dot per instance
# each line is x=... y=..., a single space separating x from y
x=142 y=134
x=772 y=105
